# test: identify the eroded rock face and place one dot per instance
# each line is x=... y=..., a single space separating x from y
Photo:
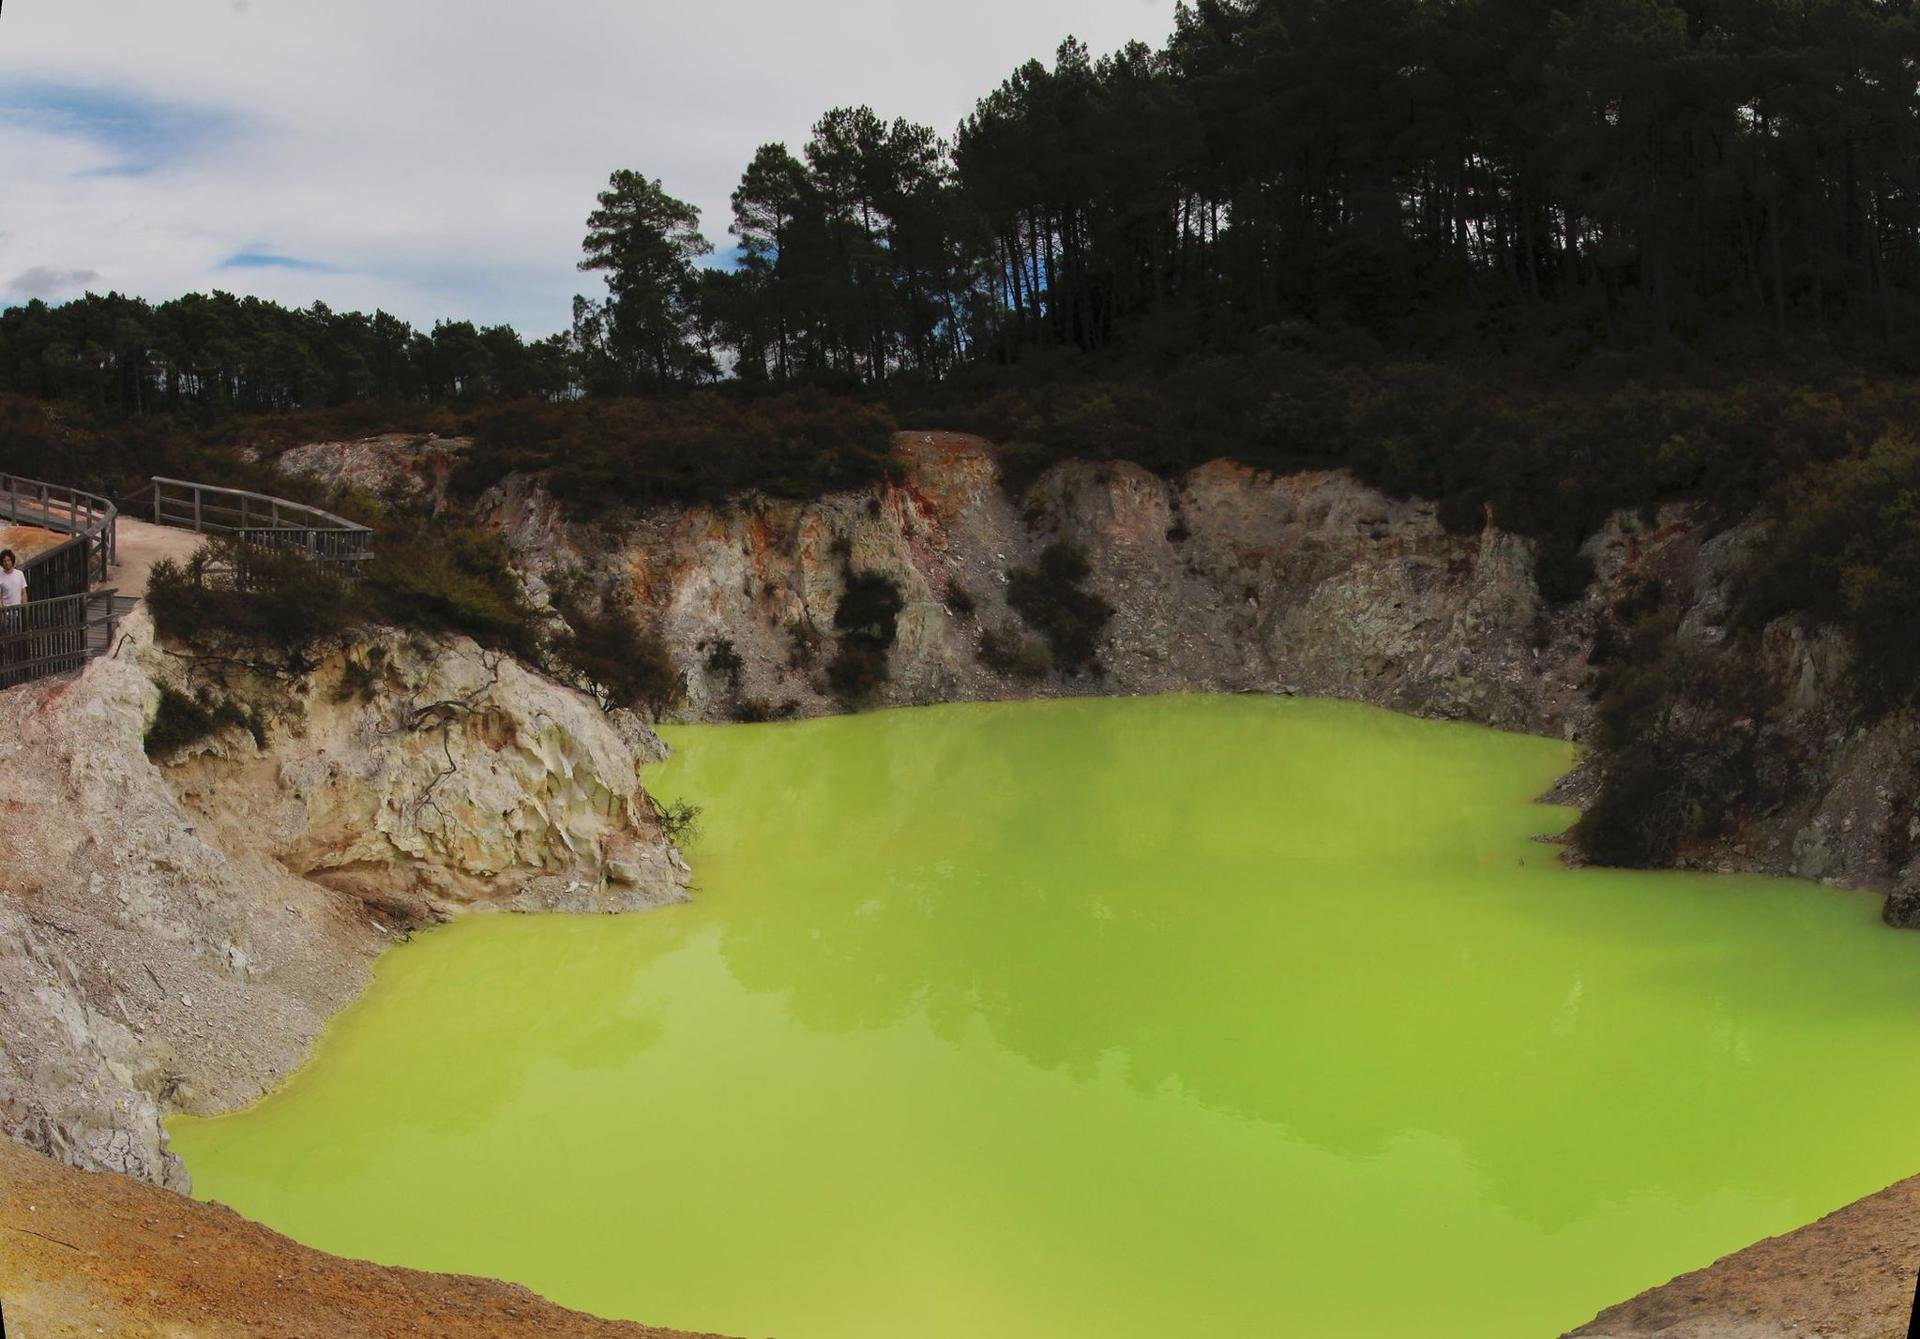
x=174 y=933
x=1226 y=580
x=1231 y=580
x=423 y=776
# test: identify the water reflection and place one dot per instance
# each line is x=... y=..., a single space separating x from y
x=1124 y=1018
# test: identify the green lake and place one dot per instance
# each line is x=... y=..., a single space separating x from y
x=1209 y=1015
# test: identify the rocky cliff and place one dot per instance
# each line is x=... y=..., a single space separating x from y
x=174 y=931
x=1224 y=580
x=1229 y=579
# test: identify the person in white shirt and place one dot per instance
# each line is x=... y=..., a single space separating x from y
x=13 y=590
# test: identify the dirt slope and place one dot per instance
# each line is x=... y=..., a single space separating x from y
x=1852 y=1274
x=96 y=1253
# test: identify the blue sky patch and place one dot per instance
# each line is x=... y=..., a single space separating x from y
x=142 y=133
x=267 y=260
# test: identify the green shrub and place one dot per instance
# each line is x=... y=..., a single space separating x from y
x=274 y=610
x=1561 y=571
x=804 y=643
x=181 y=720
x=869 y=608
x=266 y=610
x=1678 y=747
x=1845 y=549
x=680 y=820
x=607 y=651
x=1009 y=650
x=857 y=670
x=699 y=447
x=1051 y=598
x=868 y=618
x=447 y=578
x=757 y=710
x=723 y=659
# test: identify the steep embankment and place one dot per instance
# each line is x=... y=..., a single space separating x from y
x=85 y=1255
x=174 y=932
x=1230 y=579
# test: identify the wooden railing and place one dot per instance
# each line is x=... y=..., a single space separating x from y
x=81 y=562
x=54 y=635
x=66 y=620
x=257 y=518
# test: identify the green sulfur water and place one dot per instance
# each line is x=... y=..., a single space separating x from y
x=1185 y=1015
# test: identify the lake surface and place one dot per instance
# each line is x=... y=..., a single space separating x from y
x=1234 y=1016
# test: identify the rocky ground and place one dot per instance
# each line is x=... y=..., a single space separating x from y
x=87 y=1255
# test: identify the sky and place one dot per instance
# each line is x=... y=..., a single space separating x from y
x=438 y=158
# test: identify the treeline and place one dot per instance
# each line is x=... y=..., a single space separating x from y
x=218 y=354
x=1361 y=179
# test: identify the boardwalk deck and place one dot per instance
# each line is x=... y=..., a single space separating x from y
x=70 y=619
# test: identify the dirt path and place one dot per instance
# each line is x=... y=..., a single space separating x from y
x=139 y=545
x=1851 y=1273
x=91 y=1254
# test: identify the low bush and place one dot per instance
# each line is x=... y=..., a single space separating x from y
x=869 y=608
x=1845 y=550
x=868 y=618
x=180 y=720
x=263 y=610
x=1051 y=598
x=699 y=447
x=447 y=578
x=1678 y=747
x=1009 y=650
x=177 y=722
x=680 y=820
x=605 y=650
x=274 y=611
x=724 y=660
x=857 y=670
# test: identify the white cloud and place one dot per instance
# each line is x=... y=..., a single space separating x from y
x=440 y=156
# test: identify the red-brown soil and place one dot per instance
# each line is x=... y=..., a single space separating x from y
x=96 y=1253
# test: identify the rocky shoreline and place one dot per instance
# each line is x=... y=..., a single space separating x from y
x=175 y=931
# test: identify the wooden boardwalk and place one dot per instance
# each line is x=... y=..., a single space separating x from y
x=71 y=613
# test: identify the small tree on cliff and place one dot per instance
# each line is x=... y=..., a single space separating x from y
x=646 y=242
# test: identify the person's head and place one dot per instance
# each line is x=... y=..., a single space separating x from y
x=6 y=560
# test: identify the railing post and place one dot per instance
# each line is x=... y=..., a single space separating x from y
x=196 y=509
x=156 y=501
